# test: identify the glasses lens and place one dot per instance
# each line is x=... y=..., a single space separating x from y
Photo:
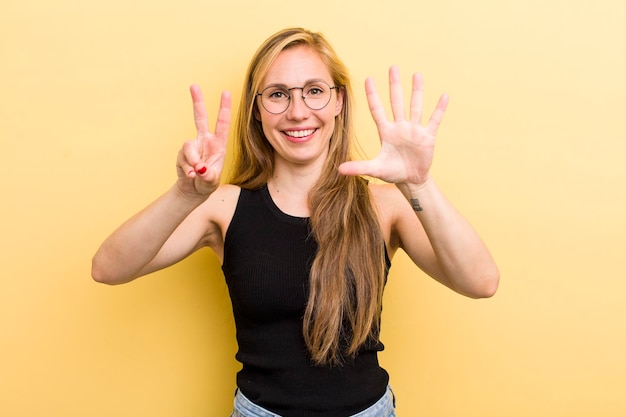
x=316 y=95
x=276 y=100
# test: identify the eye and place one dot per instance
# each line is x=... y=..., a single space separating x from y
x=314 y=90
x=278 y=94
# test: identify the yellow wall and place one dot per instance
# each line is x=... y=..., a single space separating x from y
x=94 y=106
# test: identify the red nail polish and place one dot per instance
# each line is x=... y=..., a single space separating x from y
x=202 y=170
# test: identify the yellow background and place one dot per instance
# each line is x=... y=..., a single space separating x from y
x=94 y=105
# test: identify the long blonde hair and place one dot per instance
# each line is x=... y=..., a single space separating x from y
x=348 y=273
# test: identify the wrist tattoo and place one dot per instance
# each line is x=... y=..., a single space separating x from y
x=415 y=203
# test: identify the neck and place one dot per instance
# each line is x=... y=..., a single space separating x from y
x=295 y=178
x=290 y=187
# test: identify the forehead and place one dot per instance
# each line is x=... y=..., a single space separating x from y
x=295 y=66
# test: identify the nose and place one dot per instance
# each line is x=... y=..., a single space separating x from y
x=297 y=107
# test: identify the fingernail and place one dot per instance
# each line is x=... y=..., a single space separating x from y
x=202 y=170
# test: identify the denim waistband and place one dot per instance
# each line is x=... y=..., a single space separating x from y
x=384 y=407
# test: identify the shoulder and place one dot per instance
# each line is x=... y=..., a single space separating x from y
x=221 y=205
x=384 y=192
x=218 y=211
x=388 y=199
x=391 y=207
x=225 y=194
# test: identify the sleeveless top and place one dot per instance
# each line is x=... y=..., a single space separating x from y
x=267 y=259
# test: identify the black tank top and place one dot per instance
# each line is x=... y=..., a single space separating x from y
x=267 y=259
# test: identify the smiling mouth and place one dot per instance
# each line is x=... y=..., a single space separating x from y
x=299 y=133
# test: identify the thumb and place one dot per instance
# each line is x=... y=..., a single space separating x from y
x=357 y=168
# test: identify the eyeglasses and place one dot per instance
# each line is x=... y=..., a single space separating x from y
x=315 y=94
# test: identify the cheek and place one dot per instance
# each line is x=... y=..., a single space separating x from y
x=268 y=127
x=265 y=121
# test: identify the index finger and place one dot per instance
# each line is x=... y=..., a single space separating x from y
x=199 y=110
x=437 y=116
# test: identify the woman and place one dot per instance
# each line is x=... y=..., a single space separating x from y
x=304 y=240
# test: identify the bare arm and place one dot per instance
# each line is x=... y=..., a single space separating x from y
x=432 y=232
x=176 y=224
x=453 y=252
x=131 y=251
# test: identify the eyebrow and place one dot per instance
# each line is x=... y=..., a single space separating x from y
x=307 y=82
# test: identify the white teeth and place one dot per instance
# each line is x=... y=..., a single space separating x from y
x=299 y=133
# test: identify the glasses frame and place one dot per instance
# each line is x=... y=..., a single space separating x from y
x=290 y=96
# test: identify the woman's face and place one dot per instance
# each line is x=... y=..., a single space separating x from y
x=299 y=135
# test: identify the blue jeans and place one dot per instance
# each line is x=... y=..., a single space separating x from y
x=385 y=407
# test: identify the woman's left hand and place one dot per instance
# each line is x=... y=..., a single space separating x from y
x=407 y=147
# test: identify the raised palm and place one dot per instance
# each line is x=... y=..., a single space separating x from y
x=407 y=147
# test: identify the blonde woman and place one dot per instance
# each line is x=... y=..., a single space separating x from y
x=304 y=239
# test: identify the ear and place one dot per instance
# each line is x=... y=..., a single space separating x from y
x=339 y=103
x=256 y=114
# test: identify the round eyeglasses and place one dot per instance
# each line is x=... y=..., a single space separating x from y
x=315 y=94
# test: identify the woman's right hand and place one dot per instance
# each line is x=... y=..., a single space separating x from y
x=200 y=161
